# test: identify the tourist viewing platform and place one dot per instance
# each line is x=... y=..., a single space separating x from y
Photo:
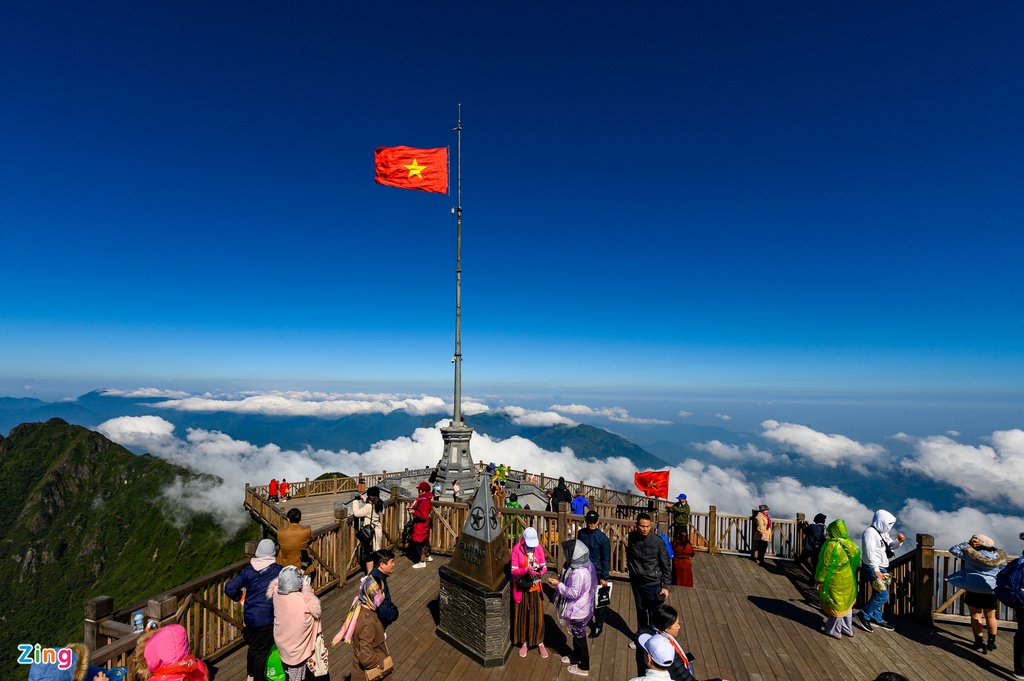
x=740 y=620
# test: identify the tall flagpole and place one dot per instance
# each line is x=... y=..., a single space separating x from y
x=456 y=462
x=457 y=360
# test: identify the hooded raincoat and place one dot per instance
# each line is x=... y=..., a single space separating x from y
x=837 y=571
x=575 y=592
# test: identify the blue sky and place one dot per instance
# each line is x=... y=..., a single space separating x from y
x=663 y=200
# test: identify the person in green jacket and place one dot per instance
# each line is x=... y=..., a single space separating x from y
x=680 y=516
x=836 y=579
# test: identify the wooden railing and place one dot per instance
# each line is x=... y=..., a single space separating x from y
x=212 y=620
x=919 y=587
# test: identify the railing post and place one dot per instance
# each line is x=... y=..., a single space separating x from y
x=162 y=608
x=250 y=547
x=396 y=521
x=563 y=530
x=305 y=490
x=96 y=610
x=923 y=603
x=712 y=529
x=341 y=546
x=799 y=548
x=604 y=494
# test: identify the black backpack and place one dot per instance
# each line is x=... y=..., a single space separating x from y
x=1010 y=584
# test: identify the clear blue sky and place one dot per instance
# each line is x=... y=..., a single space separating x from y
x=666 y=196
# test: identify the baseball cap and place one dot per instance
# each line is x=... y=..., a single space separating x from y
x=530 y=535
x=681 y=497
x=591 y=517
x=659 y=648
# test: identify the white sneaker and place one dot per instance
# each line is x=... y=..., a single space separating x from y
x=419 y=565
x=430 y=559
x=632 y=645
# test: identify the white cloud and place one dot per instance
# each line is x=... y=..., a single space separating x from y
x=992 y=473
x=734 y=452
x=724 y=417
x=321 y=405
x=827 y=450
x=952 y=527
x=145 y=392
x=528 y=417
x=953 y=433
x=617 y=414
x=685 y=414
x=236 y=462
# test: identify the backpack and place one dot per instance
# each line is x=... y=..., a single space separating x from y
x=668 y=545
x=1010 y=584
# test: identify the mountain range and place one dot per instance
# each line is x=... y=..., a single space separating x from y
x=86 y=517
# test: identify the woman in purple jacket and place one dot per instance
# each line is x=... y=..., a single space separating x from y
x=574 y=597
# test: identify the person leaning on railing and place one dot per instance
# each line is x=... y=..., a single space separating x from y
x=369 y=507
x=982 y=562
x=294 y=539
x=258 y=613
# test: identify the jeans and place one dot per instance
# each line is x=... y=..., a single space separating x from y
x=646 y=597
x=872 y=610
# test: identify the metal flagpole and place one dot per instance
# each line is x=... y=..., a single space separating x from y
x=457 y=360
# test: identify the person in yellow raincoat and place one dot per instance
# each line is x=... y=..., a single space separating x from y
x=836 y=579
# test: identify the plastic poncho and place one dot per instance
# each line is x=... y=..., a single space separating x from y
x=837 y=571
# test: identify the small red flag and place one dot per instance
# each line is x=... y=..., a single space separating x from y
x=652 y=483
x=411 y=168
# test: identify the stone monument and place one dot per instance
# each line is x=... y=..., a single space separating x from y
x=475 y=600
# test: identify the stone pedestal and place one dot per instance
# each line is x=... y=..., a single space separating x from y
x=475 y=619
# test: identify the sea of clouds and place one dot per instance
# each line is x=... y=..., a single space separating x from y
x=988 y=470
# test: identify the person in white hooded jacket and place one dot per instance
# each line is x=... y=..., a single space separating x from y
x=877 y=546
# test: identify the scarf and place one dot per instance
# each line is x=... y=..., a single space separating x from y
x=369 y=595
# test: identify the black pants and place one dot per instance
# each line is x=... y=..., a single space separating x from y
x=1018 y=644
x=646 y=598
x=417 y=550
x=260 y=640
x=580 y=652
x=760 y=548
x=600 y=615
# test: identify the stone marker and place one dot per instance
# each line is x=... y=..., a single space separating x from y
x=475 y=600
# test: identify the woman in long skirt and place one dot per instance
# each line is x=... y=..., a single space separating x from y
x=528 y=562
x=681 y=561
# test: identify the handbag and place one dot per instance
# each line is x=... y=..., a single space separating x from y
x=275 y=668
x=386 y=666
x=524 y=583
x=603 y=597
x=365 y=534
x=317 y=662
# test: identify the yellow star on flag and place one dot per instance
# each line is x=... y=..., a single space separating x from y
x=415 y=169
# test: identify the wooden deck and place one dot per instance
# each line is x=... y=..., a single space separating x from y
x=741 y=621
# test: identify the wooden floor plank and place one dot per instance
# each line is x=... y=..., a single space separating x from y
x=742 y=621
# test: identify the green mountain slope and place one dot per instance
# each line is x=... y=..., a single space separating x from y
x=86 y=517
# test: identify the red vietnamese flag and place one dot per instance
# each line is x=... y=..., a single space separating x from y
x=411 y=168
x=652 y=483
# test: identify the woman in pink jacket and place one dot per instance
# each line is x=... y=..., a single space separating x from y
x=163 y=655
x=528 y=614
x=296 y=621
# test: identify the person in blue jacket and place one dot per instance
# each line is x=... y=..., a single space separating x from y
x=259 y=610
x=579 y=504
x=601 y=556
x=982 y=562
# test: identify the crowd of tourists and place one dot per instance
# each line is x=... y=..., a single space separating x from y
x=285 y=638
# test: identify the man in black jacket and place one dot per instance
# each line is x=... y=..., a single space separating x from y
x=650 y=570
x=600 y=556
x=560 y=494
x=383 y=566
